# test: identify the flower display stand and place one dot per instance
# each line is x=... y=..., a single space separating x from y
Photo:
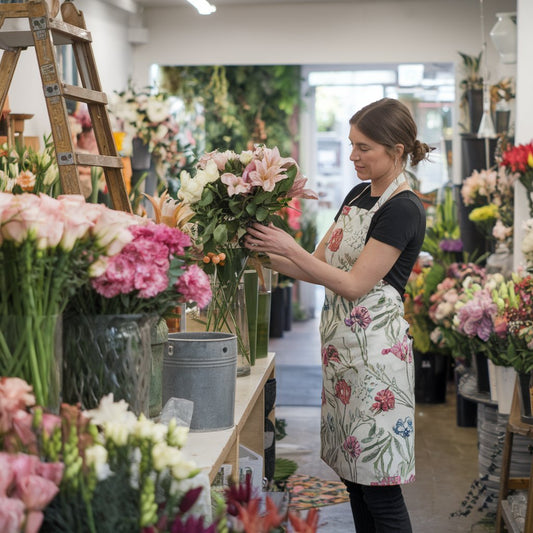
x=212 y=449
x=504 y=515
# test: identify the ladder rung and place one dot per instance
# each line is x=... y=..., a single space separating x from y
x=63 y=31
x=97 y=160
x=81 y=94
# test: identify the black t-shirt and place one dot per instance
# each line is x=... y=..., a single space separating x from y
x=399 y=222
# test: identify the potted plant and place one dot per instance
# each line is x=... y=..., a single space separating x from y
x=471 y=102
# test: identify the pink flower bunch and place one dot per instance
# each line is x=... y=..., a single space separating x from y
x=27 y=484
x=153 y=270
x=476 y=317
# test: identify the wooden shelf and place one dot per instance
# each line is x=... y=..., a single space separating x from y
x=211 y=449
x=504 y=516
x=508 y=519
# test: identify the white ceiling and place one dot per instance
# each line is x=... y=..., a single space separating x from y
x=218 y=3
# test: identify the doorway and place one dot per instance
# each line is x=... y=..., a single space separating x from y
x=332 y=94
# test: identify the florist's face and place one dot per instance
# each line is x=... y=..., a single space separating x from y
x=371 y=159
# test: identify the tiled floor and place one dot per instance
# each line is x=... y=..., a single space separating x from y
x=447 y=456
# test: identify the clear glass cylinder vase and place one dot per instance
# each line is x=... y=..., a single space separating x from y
x=106 y=354
x=31 y=349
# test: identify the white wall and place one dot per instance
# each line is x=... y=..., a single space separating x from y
x=327 y=33
x=524 y=113
x=109 y=29
x=330 y=32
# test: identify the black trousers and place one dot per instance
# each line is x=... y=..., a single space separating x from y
x=378 y=509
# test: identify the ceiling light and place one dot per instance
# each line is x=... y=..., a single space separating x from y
x=203 y=6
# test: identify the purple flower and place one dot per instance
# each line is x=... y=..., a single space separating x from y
x=358 y=316
x=352 y=446
x=451 y=245
x=476 y=316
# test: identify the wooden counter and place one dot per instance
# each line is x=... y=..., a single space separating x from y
x=211 y=449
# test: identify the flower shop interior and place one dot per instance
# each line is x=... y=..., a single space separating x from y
x=233 y=443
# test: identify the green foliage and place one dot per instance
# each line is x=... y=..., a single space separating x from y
x=284 y=468
x=242 y=105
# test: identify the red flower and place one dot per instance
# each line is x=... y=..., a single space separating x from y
x=335 y=240
x=385 y=400
x=352 y=446
x=346 y=209
x=343 y=391
x=516 y=158
x=330 y=353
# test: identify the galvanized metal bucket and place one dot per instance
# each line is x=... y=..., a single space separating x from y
x=201 y=366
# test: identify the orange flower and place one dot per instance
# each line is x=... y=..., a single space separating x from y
x=26 y=181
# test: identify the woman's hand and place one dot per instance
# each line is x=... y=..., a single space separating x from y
x=269 y=239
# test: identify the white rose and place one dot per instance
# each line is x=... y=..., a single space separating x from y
x=191 y=189
x=246 y=157
x=157 y=110
x=211 y=172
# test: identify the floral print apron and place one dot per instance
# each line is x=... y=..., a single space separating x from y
x=367 y=420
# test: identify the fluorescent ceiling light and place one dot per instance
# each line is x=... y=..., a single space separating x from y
x=203 y=6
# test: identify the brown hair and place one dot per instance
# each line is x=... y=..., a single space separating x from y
x=389 y=122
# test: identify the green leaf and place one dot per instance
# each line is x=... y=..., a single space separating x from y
x=220 y=235
x=261 y=214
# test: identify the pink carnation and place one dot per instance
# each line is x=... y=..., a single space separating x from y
x=195 y=286
x=476 y=316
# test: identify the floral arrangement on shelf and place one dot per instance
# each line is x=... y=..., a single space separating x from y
x=517 y=161
x=107 y=470
x=47 y=246
x=151 y=273
x=490 y=195
x=23 y=169
x=503 y=91
x=147 y=115
x=450 y=294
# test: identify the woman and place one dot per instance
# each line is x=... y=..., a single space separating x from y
x=364 y=261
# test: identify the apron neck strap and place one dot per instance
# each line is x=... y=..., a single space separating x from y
x=389 y=191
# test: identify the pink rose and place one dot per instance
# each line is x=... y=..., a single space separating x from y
x=36 y=492
x=51 y=471
x=23 y=465
x=15 y=394
x=194 y=285
x=6 y=475
x=11 y=515
x=50 y=423
x=23 y=427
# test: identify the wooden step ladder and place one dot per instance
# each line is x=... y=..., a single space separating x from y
x=44 y=33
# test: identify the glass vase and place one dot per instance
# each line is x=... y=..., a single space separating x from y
x=226 y=312
x=251 y=288
x=107 y=354
x=159 y=344
x=31 y=349
x=263 y=313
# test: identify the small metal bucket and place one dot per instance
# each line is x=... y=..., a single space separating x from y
x=202 y=367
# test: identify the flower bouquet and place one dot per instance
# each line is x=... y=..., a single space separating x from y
x=47 y=246
x=24 y=169
x=490 y=194
x=450 y=294
x=109 y=319
x=109 y=471
x=229 y=192
x=517 y=161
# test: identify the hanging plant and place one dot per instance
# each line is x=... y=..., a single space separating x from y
x=242 y=105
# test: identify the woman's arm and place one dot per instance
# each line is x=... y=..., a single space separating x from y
x=373 y=264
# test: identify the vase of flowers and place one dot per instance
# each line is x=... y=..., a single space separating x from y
x=229 y=192
x=46 y=250
x=109 y=319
